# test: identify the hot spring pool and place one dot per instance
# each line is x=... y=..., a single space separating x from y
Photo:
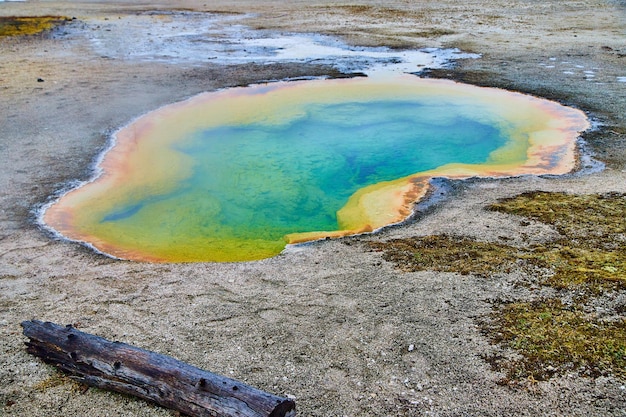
x=238 y=174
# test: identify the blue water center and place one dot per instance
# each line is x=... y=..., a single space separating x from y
x=269 y=180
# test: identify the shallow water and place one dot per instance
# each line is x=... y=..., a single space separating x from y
x=236 y=175
x=198 y=38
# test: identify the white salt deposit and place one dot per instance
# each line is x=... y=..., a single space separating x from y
x=191 y=38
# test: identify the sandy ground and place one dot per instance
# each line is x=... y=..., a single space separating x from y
x=329 y=323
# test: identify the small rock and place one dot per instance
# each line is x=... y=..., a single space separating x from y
x=40 y=80
x=411 y=347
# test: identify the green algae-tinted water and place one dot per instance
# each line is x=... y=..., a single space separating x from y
x=267 y=180
x=241 y=184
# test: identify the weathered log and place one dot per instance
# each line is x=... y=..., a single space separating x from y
x=116 y=366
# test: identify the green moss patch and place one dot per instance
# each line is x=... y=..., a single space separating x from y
x=449 y=254
x=28 y=25
x=586 y=262
x=587 y=221
x=554 y=339
x=591 y=254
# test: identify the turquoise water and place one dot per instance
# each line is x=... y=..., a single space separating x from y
x=264 y=181
x=236 y=175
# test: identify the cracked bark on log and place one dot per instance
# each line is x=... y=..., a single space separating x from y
x=116 y=366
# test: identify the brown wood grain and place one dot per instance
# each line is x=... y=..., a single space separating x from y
x=120 y=367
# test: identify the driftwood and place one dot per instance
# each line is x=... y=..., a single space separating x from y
x=116 y=366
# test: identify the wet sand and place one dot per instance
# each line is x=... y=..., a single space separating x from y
x=329 y=323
